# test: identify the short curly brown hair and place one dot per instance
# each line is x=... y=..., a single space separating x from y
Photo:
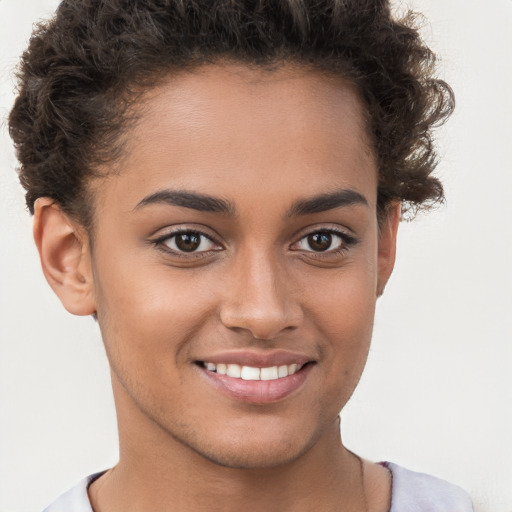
x=84 y=67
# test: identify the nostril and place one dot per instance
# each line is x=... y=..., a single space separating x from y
x=262 y=325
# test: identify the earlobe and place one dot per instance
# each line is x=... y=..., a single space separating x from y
x=65 y=257
x=387 y=245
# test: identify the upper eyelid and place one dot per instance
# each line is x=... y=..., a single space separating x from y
x=345 y=233
x=310 y=230
x=345 y=239
x=323 y=226
x=159 y=242
x=170 y=232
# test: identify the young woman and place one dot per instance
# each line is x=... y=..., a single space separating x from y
x=220 y=185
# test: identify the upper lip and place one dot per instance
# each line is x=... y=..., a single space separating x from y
x=257 y=359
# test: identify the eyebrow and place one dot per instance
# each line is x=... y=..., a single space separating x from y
x=186 y=199
x=325 y=202
x=207 y=203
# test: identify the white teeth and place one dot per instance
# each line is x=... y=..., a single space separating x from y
x=292 y=368
x=233 y=370
x=269 y=373
x=251 y=373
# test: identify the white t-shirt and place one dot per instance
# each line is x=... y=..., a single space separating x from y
x=411 y=492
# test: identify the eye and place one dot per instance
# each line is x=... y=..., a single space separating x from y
x=188 y=242
x=324 y=241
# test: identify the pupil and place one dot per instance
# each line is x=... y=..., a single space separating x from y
x=188 y=241
x=320 y=241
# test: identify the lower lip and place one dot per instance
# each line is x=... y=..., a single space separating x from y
x=258 y=391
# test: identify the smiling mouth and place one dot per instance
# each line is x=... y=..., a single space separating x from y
x=237 y=371
x=259 y=384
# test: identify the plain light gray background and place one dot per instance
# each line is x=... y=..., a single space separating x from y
x=436 y=395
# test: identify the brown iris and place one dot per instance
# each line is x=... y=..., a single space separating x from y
x=188 y=242
x=320 y=241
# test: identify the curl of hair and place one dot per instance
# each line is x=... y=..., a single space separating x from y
x=86 y=66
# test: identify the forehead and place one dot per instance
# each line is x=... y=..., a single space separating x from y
x=223 y=128
x=228 y=96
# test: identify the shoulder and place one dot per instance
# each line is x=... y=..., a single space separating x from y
x=418 y=492
x=76 y=499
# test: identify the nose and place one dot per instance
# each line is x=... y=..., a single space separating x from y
x=260 y=298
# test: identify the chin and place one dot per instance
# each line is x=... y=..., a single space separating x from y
x=252 y=448
x=253 y=457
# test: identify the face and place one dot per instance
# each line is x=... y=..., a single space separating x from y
x=236 y=262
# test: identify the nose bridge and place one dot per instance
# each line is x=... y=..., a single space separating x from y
x=260 y=298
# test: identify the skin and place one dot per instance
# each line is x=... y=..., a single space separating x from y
x=264 y=142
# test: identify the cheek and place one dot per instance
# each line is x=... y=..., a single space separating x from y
x=148 y=314
x=342 y=304
x=344 y=315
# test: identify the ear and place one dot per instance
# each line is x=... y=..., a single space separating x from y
x=387 y=245
x=64 y=251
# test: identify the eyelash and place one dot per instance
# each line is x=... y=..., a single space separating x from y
x=160 y=243
x=346 y=241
